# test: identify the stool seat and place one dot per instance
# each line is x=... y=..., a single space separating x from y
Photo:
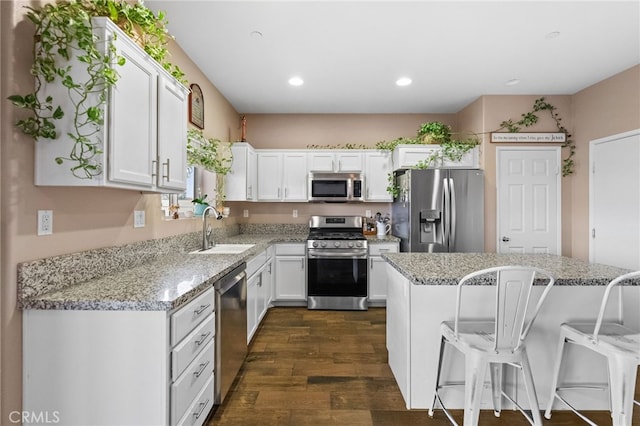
x=613 y=337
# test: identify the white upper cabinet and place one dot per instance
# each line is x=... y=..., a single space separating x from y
x=377 y=171
x=282 y=175
x=335 y=161
x=410 y=155
x=143 y=138
x=241 y=181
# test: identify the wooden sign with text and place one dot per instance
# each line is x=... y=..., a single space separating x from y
x=538 y=137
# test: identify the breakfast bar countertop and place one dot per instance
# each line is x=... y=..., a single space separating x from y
x=449 y=268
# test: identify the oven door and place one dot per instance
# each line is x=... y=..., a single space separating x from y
x=336 y=281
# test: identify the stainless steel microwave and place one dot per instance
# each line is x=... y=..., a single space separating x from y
x=336 y=187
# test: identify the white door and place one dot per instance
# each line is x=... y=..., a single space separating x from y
x=614 y=200
x=528 y=181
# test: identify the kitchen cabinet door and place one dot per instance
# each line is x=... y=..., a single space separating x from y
x=252 y=305
x=240 y=182
x=377 y=275
x=291 y=273
x=377 y=170
x=172 y=135
x=269 y=176
x=330 y=161
x=294 y=176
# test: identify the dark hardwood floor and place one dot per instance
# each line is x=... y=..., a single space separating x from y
x=330 y=368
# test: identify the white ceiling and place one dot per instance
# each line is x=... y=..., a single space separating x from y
x=350 y=53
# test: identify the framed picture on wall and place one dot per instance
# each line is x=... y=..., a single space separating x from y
x=196 y=106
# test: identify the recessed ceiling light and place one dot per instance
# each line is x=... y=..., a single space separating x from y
x=256 y=35
x=403 y=81
x=513 y=82
x=553 y=34
x=296 y=81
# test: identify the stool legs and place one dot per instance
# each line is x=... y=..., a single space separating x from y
x=531 y=390
x=622 y=385
x=556 y=374
x=496 y=387
x=475 y=370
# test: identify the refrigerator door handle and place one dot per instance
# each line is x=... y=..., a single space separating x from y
x=446 y=212
x=452 y=213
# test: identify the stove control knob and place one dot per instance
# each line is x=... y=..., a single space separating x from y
x=359 y=244
x=315 y=244
x=323 y=244
x=337 y=244
x=350 y=244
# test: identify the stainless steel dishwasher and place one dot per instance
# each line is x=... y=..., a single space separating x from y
x=231 y=329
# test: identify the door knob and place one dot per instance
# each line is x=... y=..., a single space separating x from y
x=506 y=239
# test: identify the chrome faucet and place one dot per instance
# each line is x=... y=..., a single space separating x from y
x=207 y=232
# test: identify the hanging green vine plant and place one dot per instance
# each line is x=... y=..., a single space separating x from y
x=530 y=118
x=64 y=30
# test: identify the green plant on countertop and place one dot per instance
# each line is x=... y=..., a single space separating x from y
x=530 y=118
x=64 y=30
x=201 y=200
x=209 y=153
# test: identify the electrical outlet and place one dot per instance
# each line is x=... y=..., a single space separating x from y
x=245 y=213
x=138 y=218
x=45 y=222
x=295 y=213
x=367 y=213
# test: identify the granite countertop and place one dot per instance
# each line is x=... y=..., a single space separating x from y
x=164 y=283
x=449 y=268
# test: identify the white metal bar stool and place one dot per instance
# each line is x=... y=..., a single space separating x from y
x=619 y=344
x=494 y=342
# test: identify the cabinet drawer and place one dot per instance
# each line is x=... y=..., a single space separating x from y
x=379 y=248
x=197 y=412
x=290 y=250
x=185 y=319
x=256 y=263
x=183 y=354
x=185 y=389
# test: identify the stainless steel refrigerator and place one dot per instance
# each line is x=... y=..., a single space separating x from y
x=439 y=210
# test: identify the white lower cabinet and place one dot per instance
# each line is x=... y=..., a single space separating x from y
x=121 y=367
x=259 y=271
x=378 y=272
x=291 y=273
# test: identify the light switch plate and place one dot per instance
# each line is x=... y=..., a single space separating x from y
x=367 y=213
x=295 y=213
x=138 y=218
x=245 y=213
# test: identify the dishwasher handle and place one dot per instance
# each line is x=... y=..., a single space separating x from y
x=231 y=279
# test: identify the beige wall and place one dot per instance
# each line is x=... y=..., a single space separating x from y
x=303 y=130
x=83 y=218
x=607 y=108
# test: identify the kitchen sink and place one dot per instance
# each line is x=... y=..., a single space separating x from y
x=225 y=249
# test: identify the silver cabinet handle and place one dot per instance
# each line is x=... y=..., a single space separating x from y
x=302 y=263
x=203 y=337
x=154 y=168
x=278 y=192
x=203 y=405
x=167 y=176
x=201 y=310
x=201 y=370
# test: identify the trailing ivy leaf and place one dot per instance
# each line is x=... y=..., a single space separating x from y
x=93 y=113
x=58 y=113
x=18 y=101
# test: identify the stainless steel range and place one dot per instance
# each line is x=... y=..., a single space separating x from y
x=336 y=263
